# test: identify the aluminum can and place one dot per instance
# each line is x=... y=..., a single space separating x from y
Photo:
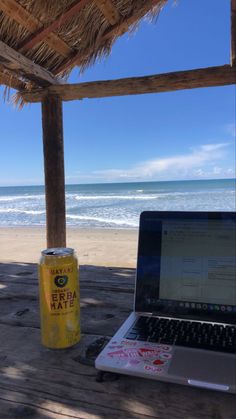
x=59 y=298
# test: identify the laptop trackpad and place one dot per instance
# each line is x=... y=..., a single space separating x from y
x=203 y=366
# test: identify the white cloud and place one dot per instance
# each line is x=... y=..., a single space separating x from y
x=186 y=165
x=231 y=172
x=217 y=170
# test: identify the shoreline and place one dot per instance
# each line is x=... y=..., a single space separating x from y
x=101 y=247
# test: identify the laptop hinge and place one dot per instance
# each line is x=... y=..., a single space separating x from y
x=155 y=314
x=143 y=313
x=152 y=314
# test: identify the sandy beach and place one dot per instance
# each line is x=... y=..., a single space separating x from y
x=116 y=248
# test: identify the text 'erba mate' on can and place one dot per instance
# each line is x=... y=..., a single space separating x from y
x=59 y=298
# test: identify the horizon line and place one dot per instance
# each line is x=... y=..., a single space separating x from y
x=121 y=183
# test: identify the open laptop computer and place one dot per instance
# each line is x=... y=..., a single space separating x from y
x=183 y=327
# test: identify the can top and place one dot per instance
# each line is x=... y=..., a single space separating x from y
x=58 y=251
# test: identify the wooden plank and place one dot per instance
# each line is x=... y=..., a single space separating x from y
x=20 y=15
x=95 y=310
x=60 y=384
x=108 y=10
x=43 y=32
x=41 y=383
x=233 y=32
x=167 y=82
x=53 y=148
x=11 y=81
x=122 y=27
x=16 y=62
x=117 y=30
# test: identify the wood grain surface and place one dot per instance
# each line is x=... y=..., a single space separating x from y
x=36 y=382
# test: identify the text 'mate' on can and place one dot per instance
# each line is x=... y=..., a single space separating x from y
x=59 y=298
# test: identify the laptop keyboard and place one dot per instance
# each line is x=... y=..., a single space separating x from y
x=199 y=335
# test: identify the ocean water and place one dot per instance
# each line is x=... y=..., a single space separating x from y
x=116 y=205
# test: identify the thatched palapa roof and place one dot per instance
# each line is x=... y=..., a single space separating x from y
x=42 y=41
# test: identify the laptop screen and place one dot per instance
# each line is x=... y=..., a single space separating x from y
x=187 y=265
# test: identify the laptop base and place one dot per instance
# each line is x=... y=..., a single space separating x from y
x=195 y=367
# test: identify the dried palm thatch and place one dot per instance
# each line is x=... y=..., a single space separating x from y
x=65 y=39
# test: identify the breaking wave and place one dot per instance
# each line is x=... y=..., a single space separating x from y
x=130 y=223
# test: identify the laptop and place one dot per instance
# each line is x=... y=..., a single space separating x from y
x=183 y=327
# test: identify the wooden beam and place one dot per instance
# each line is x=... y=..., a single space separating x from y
x=53 y=148
x=20 y=15
x=117 y=30
x=9 y=80
x=122 y=27
x=167 y=82
x=17 y=63
x=233 y=32
x=44 y=32
x=109 y=11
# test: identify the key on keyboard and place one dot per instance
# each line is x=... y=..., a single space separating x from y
x=184 y=333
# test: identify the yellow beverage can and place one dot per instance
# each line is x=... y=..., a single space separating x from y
x=59 y=298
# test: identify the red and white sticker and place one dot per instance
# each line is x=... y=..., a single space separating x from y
x=152 y=368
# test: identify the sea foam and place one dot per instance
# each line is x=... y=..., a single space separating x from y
x=116 y=205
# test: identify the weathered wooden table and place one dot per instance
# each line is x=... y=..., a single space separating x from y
x=36 y=382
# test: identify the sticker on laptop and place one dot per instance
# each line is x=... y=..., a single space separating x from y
x=154 y=358
x=154 y=369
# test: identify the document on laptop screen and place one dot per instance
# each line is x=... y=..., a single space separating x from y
x=198 y=262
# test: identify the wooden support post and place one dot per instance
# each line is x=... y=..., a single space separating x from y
x=54 y=170
x=233 y=33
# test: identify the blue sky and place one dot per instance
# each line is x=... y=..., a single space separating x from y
x=169 y=136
